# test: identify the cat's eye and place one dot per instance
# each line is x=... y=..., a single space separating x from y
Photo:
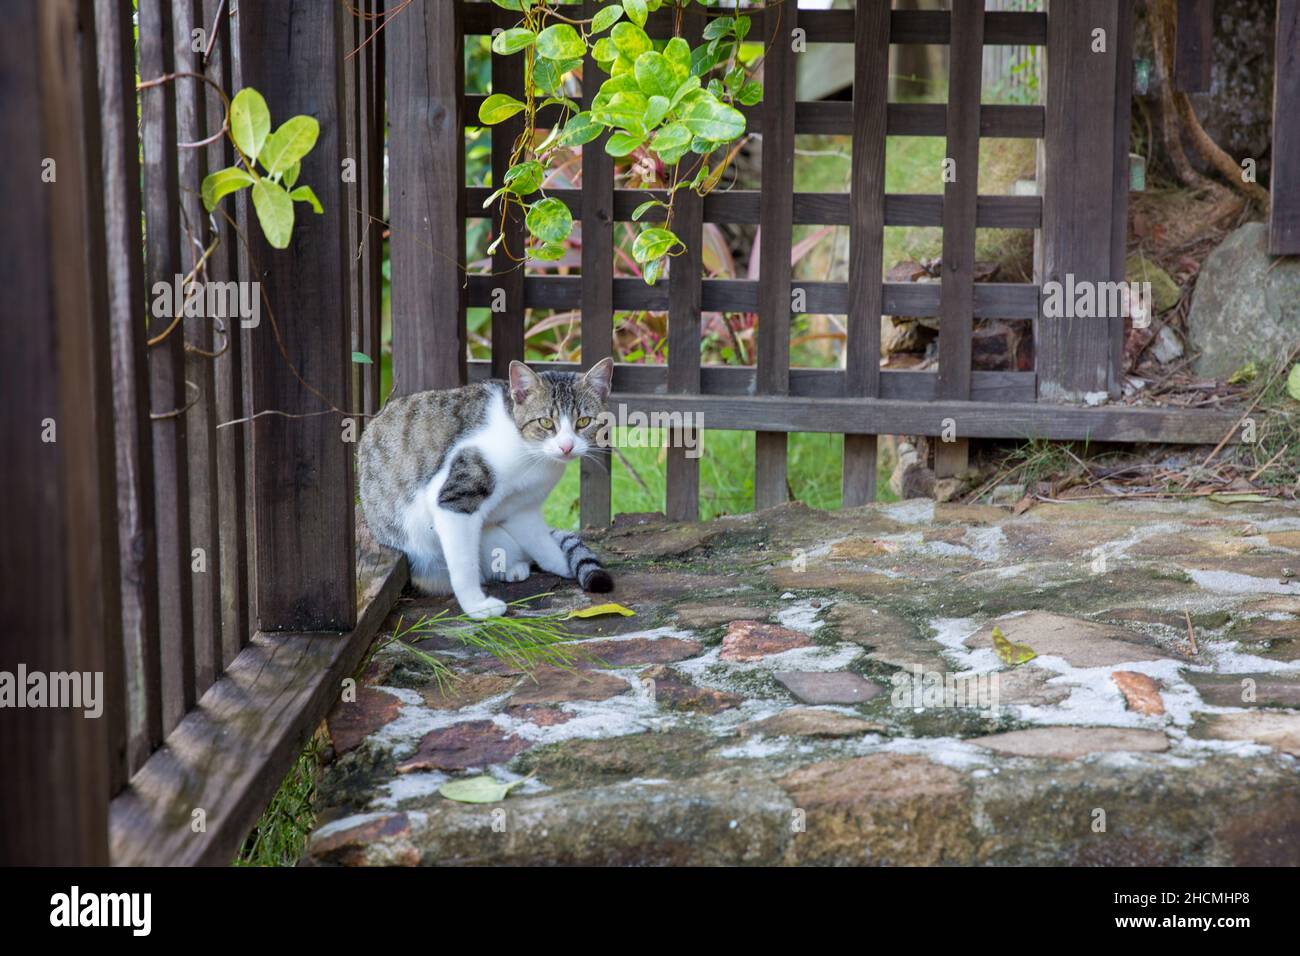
x=584 y=422
x=546 y=423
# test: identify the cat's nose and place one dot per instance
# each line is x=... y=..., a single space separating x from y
x=565 y=445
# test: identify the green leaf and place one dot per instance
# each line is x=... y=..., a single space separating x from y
x=305 y=194
x=548 y=251
x=498 y=108
x=519 y=6
x=581 y=129
x=477 y=789
x=1009 y=652
x=549 y=220
x=1293 y=383
x=250 y=121
x=654 y=270
x=291 y=175
x=525 y=178
x=636 y=11
x=653 y=243
x=678 y=52
x=222 y=183
x=623 y=111
x=720 y=27
x=672 y=142
x=710 y=119
x=604 y=52
x=644 y=208
x=620 y=144
x=561 y=42
x=290 y=143
x=274 y=212
x=606 y=18
x=656 y=111
x=600 y=610
x=630 y=40
x=513 y=40
x=691 y=85
x=750 y=94
x=656 y=75
x=361 y=358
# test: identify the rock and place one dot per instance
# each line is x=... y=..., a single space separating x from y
x=890 y=638
x=828 y=687
x=585 y=763
x=1246 y=304
x=860 y=549
x=965 y=515
x=1269 y=689
x=1071 y=743
x=675 y=692
x=911 y=478
x=862 y=583
x=1081 y=643
x=706 y=614
x=469 y=689
x=1028 y=685
x=753 y=640
x=555 y=685
x=810 y=722
x=351 y=840
x=998 y=345
x=539 y=714
x=1167 y=347
x=641 y=650
x=350 y=722
x=474 y=743
x=1140 y=692
x=1277 y=730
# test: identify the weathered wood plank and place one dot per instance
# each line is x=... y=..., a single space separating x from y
x=979 y=419
x=1194 y=46
x=741 y=206
x=137 y=556
x=376 y=128
x=427 y=112
x=303 y=490
x=200 y=420
x=167 y=391
x=229 y=754
x=58 y=553
x=596 y=296
x=1074 y=354
x=1121 y=180
x=223 y=266
x=867 y=216
x=508 y=259
x=1284 y=233
x=776 y=221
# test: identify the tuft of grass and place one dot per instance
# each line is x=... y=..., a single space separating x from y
x=1277 y=436
x=280 y=836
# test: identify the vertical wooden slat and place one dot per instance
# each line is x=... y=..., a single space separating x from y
x=138 y=560
x=167 y=391
x=684 y=290
x=960 y=195
x=866 y=237
x=1120 y=181
x=232 y=502
x=1284 y=235
x=1194 y=47
x=507 y=260
x=58 y=553
x=352 y=187
x=426 y=84
x=200 y=420
x=597 y=285
x=303 y=491
x=372 y=199
x=1074 y=354
x=776 y=222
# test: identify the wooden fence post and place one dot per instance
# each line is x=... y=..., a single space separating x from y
x=303 y=493
x=426 y=170
x=58 y=553
x=1284 y=237
x=1074 y=354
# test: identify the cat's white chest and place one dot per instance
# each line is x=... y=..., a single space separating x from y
x=523 y=476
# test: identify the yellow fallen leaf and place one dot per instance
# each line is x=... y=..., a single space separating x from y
x=1011 y=653
x=596 y=610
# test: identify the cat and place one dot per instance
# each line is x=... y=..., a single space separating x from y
x=456 y=480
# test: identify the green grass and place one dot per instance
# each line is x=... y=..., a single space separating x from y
x=280 y=836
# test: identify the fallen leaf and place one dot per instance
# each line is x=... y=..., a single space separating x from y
x=1011 y=653
x=1140 y=692
x=477 y=790
x=1238 y=499
x=597 y=610
x=1293 y=383
x=1023 y=505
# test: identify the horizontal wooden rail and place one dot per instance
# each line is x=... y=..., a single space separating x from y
x=1001 y=28
x=804 y=382
x=973 y=419
x=229 y=753
x=741 y=206
x=835 y=118
x=993 y=300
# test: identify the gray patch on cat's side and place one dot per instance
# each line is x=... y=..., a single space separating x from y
x=469 y=483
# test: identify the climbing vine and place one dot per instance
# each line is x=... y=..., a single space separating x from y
x=669 y=102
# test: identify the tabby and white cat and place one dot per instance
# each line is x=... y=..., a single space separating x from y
x=456 y=480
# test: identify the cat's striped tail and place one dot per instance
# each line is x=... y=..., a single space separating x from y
x=583 y=563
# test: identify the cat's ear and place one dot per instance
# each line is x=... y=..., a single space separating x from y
x=522 y=381
x=600 y=378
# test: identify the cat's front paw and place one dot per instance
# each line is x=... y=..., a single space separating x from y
x=519 y=571
x=485 y=608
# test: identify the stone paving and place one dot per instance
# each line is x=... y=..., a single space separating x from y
x=804 y=687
